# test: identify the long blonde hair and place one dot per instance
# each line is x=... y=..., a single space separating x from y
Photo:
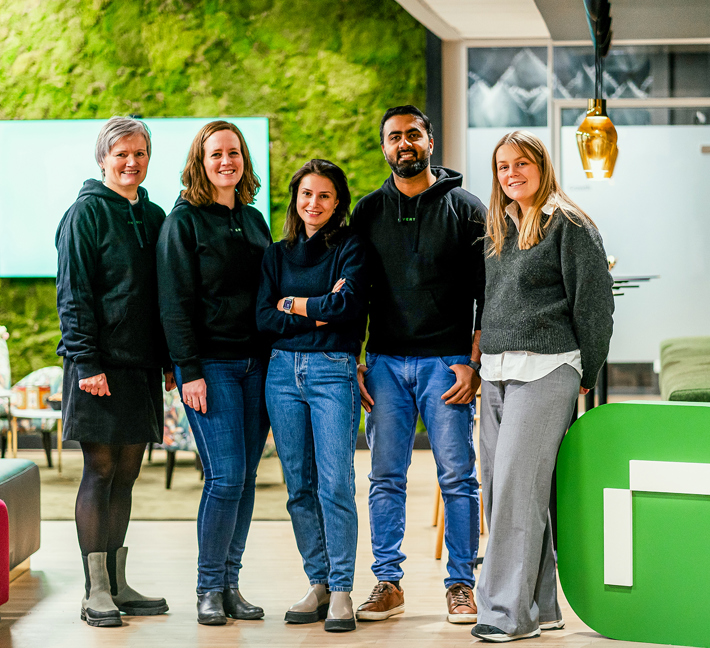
x=532 y=229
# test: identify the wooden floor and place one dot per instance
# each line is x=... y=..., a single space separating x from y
x=43 y=611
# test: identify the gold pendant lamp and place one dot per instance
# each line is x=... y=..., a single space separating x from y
x=596 y=135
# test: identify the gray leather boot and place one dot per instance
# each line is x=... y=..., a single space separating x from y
x=312 y=607
x=97 y=607
x=124 y=597
x=340 y=616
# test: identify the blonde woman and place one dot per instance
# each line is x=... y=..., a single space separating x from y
x=545 y=335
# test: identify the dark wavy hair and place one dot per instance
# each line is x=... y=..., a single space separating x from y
x=334 y=228
x=199 y=191
x=405 y=110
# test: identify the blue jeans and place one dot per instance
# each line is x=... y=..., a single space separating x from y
x=230 y=438
x=402 y=387
x=314 y=405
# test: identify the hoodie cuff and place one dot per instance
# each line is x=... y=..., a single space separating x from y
x=191 y=372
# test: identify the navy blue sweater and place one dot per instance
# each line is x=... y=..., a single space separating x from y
x=310 y=269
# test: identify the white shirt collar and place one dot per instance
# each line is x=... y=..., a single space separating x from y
x=513 y=211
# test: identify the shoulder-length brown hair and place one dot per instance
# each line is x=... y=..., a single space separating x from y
x=199 y=191
x=532 y=228
x=333 y=228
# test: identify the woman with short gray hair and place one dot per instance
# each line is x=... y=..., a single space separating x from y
x=114 y=353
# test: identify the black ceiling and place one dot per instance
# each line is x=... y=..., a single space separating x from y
x=632 y=19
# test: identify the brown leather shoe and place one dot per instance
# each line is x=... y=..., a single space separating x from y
x=462 y=607
x=385 y=601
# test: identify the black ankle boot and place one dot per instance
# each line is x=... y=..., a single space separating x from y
x=237 y=607
x=210 y=609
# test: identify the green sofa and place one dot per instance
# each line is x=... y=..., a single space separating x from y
x=685 y=369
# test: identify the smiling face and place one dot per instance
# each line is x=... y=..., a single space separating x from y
x=126 y=165
x=315 y=202
x=518 y=175
x=406 y=145
x=223 y=161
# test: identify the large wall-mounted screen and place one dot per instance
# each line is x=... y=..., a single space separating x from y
x=44 y=164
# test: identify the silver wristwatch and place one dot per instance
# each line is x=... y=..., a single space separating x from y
x=288 y=305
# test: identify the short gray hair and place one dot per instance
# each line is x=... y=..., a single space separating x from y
x=116 y=128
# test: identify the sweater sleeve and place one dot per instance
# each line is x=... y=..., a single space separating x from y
x=349 y=303
x=77 y=262
x=588 y=287
x=177 y=293
x=268 y=317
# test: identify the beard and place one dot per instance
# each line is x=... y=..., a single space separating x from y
x=409 y=168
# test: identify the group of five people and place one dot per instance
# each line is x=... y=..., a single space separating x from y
x=258 y=334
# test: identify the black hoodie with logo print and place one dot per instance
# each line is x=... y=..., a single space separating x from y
x=428 y=268
x=209 y=268
x=107 y=292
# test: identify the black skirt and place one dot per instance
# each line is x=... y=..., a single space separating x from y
x=133 y=413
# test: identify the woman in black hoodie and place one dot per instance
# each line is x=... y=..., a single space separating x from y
x=209 y=261
x=114 y=350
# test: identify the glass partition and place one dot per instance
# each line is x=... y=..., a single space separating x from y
x=654 y=216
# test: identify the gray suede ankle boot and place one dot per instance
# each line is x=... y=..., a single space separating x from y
x=340 y=613
x=97 y=607
x=312 y=607
x=124 y=597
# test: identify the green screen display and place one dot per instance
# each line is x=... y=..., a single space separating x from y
x=44 y=164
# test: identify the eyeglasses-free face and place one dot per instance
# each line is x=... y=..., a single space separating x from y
x=316 y=201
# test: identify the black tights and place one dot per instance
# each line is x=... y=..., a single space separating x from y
x=103 y=504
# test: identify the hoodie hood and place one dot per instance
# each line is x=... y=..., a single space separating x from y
x=446 y=181
x=97 y=188
x=100 y=190
x=231 y=216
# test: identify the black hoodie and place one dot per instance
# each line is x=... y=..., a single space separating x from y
x=209 y=267
x=428 y=269
x=107 y=295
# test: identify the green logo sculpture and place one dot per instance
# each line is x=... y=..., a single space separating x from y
x=633 y=498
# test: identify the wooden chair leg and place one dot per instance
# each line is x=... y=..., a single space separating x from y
x=13 y=439
x=437 y=499
x=440 y=529
x=169 y=468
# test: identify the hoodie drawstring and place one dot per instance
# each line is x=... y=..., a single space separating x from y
x=135 y=226
x=415 y=249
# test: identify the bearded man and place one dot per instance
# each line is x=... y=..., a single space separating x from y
x=422 y=357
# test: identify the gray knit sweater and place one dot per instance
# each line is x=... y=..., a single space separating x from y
x=552 y=298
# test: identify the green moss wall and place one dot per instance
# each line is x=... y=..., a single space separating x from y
x=322 y=71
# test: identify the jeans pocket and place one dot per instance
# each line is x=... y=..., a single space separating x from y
x=446 y=367
x=336 y=356
x=370 y=360
x=274 y=353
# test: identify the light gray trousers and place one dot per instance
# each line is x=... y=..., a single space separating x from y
x=522 y=425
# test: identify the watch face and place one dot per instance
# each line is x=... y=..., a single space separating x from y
x=287 y=304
